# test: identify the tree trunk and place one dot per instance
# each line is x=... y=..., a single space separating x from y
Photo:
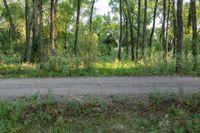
x=35 y=42
x=90 y=41
x=138 y=29
x=28 y=29
x=154 y=23
x=77 y=27
x=164 y=45
x=12 y=32
x=52 y=28
x=91 y=17
x=42 y=47
x=174 y=27
x=179 y=35
x=167 y=29
x=144 y=40
x=194 y=33
x=126 y=36
x=10 y=18
x=120 y=36
x=189 y=23
x=55 y=7
x=131 y=30
x=55 y=26
x=65 y=42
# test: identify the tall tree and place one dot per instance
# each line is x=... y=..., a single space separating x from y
x=168 y=19
x=131 y=30
x=55 y=24
x=91 y=18
x=189 y=23
x=154 y=23
x=138 y=28
x=144 y=40
x=35 y=41
x=28 y=30
x=120 y=36
x=41 y=31
x=90 y=41
x=12 y=30
x=77 y=26
x=126 y=35
x=174 y=28
x=179 y=35
x=10 y=18
x=194 y=33
x=52 y=27
x=164 y=45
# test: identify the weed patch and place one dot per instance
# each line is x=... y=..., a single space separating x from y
x=171 y=113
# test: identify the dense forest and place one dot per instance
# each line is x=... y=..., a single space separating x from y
x=64 y=35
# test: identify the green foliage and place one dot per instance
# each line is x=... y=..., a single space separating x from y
x=56 y=64
x=156 y=113
x=19 y=71
x=4 y=41
x=103 y=49
x=88 y=51
x=15 y=59
x=67 y=65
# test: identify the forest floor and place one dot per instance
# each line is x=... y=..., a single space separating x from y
x=98 y=86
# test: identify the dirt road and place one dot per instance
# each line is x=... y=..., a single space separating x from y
x=97 y=86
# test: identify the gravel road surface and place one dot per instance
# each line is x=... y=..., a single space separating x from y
x=97 y=86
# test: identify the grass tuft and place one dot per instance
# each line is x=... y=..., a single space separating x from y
x=157 y=113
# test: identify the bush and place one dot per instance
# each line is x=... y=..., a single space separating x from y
x=14 y=59
x=57 y=64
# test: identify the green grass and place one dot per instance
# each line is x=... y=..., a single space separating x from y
x=157 y=113
x=61 y=66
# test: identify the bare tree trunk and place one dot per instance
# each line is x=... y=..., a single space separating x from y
x=179 y=35
x=52 y=28
x=126 y=36
x=144 y=40
x=28 y=30
x=138 y=28
x=35 y=18
x=167 y=29
x=164 y=45
x=154 y=23
x=77 y=27
x=35 y=43
x=55 y=26
x=194 y=33
x=131 y=30
x=174 y=28
x=120 y=37
x=42 y=48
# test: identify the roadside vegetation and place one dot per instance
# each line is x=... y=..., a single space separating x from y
x=59 y=66
x=156 y=113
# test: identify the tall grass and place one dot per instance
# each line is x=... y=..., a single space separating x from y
x=62 y=65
